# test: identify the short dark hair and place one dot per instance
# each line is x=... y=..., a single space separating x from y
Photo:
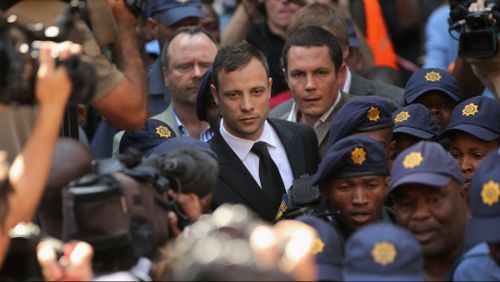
x=234 y=56
x=191 y=30
x=314 y=36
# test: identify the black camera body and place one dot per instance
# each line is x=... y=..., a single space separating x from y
x=478 y=30
x=19 y=51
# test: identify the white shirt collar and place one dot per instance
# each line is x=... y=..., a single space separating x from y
x=294 y=113
x=348 y=81
x=243 y=146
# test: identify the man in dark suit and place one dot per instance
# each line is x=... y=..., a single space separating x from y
x=315 y=72
x=242 y=88
x=347 y=81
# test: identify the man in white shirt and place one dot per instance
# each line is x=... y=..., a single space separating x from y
x=242 y=88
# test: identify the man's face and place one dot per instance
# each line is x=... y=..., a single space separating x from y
x=243 y=99
x=313 y=80
x=440 y=105
x=360 y=199
x=469 y=152
x=437 y=216
x=189 y=58
x=280 y=12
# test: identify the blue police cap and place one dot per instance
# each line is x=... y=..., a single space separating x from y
x=327 y=249
x=203 y=95
x=416 y=120
x=171 y=11
x=170 y=145
x=361 y=114
x=148 y=137
x=425 y=163
x=484 y=201
x=355 y=155
x=478 y=116
x=383 y=252
x=425 y=80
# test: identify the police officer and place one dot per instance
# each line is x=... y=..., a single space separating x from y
x=482 y=262
x=327 y=249
x=369 y=115
x=429 y=200
x=474 y=131
x=206 y=109
x=147 y=138
x=383 y=252
x=352 y=179
x=412 y=123
x=436 y=89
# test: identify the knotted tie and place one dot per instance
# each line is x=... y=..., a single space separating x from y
x=270 y=178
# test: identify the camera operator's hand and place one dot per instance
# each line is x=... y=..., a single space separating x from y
x=75 y=265
x=477 y=6
x=53 y=85
x=119 y=6
x=190 y=205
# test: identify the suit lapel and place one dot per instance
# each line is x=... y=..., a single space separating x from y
x=234 y=173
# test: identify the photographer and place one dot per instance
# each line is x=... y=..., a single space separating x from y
x=30 y=169
x=120 y=92
x=486 y=69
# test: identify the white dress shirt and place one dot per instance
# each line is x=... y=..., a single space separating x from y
x=348 y=80
x=242 y=148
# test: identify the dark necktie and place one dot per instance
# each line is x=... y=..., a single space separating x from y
x=270 y=178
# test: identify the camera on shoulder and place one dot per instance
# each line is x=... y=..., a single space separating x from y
x=19 y=59
x=478 y=30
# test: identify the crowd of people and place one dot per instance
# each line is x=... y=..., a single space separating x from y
x=286 y=140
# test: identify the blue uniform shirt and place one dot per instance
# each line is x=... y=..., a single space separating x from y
x=477 y=265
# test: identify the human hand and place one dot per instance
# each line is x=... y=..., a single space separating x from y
x=53 y=86
x=119 y=8
x=190 y=205
x=75 y=265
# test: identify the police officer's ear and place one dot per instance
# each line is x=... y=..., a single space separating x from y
x=323 y=190
x=391 y=154
x=387 y=181
x=152 y=25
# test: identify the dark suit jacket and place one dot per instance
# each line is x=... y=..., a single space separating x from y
x=235 y=184
x=361 y=86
